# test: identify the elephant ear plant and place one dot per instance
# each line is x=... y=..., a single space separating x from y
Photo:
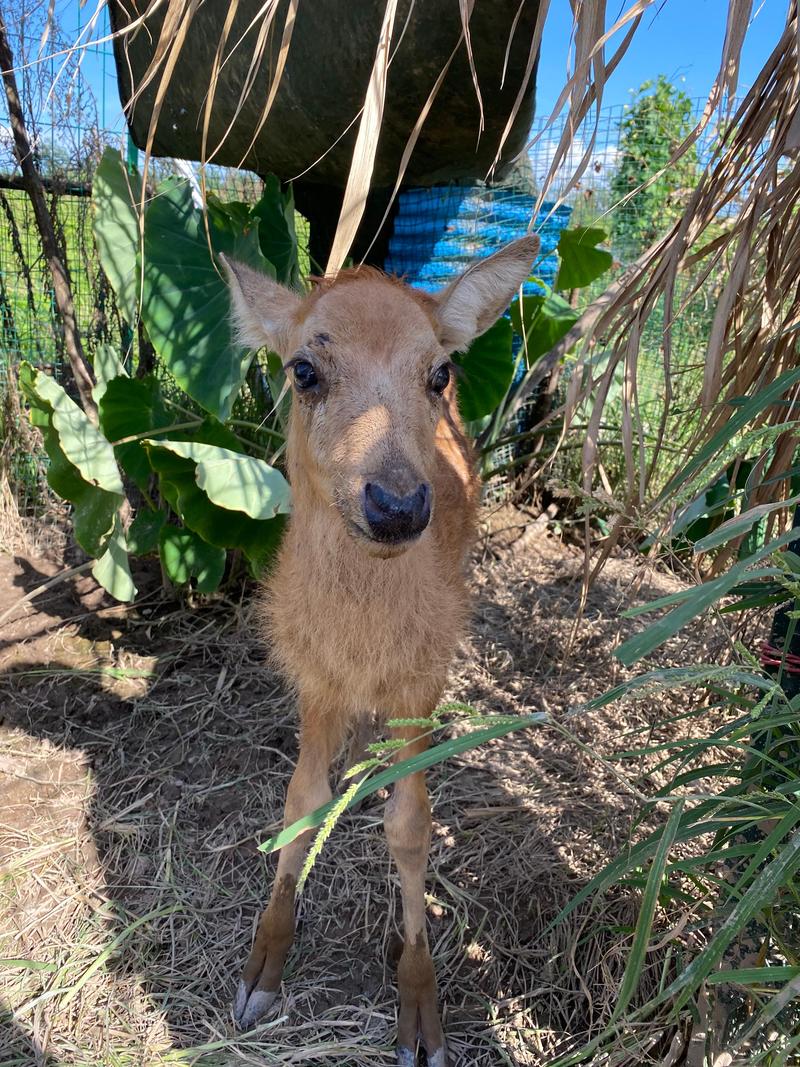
x=203 y=482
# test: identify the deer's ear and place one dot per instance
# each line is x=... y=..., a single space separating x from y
x=477 y=299
x=263 y=311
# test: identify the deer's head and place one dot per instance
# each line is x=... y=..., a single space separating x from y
x=368 y=359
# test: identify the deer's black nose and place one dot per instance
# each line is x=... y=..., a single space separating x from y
x=396 y=518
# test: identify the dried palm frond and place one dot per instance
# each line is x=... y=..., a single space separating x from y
x=748 y=188
x=358 y=181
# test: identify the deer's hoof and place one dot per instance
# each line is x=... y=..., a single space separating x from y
x=406 y=1057
x=249 y=1007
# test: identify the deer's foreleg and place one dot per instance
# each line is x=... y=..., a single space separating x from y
x=408 y=832
x=308 y=789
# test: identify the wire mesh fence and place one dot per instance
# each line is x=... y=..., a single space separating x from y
x=29 y=324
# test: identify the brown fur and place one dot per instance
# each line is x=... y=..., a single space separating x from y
x=354 y=631
x=359 y=626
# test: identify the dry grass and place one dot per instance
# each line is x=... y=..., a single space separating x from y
x=144 y=754
x=30 y=536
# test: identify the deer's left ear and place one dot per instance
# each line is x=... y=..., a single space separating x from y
x=477 y=299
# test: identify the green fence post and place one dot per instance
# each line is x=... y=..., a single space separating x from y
x=132 y=158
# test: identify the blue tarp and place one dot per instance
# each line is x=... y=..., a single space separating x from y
x=439 y=231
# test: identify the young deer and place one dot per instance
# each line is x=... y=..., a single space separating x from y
x=368 y=598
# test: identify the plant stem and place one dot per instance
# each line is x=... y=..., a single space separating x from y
x=154 y=433
x=257 y=427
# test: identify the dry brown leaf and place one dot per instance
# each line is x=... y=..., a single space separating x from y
x=358 y=181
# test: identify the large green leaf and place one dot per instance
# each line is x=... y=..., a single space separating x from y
x=186 y=304
x=258 y=539
x=276 y=232
x=107 y=365
x=581 y=262
x=231 y=215
x=82 y=443
x=143 y=532
x=185 y=555
x=488 y=367
x=93 y=509
x=131 y=406
x=83 y=470
x=235 y=481
x=542 y=321
x=116 y=194
x=79 y=469
x=112 y=569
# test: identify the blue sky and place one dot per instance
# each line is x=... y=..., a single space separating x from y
x=681 y=39
x=678 y=38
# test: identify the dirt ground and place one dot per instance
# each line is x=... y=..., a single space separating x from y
x=144 y=754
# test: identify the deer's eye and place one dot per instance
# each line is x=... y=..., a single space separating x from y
x=305 y=377
x=440 y=379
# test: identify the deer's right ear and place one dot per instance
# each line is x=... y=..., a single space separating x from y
x=263 y=311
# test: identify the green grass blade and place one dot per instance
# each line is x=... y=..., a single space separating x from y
x=434 y=755
x=740 y=524
x=677 y=677
x=701 y=598
x=761 y=892
x=737 y=422
x=27 y=965
x=753 y=976
x=641 y=852
x=644 y=924
x=770 y=843
x=641 y=938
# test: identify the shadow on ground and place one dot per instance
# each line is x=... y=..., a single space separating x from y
x=144 y=753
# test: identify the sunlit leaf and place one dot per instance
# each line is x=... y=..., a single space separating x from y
x=116 y=194
x=581 y=262
x=233 y=480
x=107 y=365
x=82 y=443
x=186 y=304
x=93 y=509
x=112 y=570
x=131 y=406
x=542 y=321
x=218 y=526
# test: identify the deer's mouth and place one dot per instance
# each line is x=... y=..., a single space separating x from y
x=380 y=547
